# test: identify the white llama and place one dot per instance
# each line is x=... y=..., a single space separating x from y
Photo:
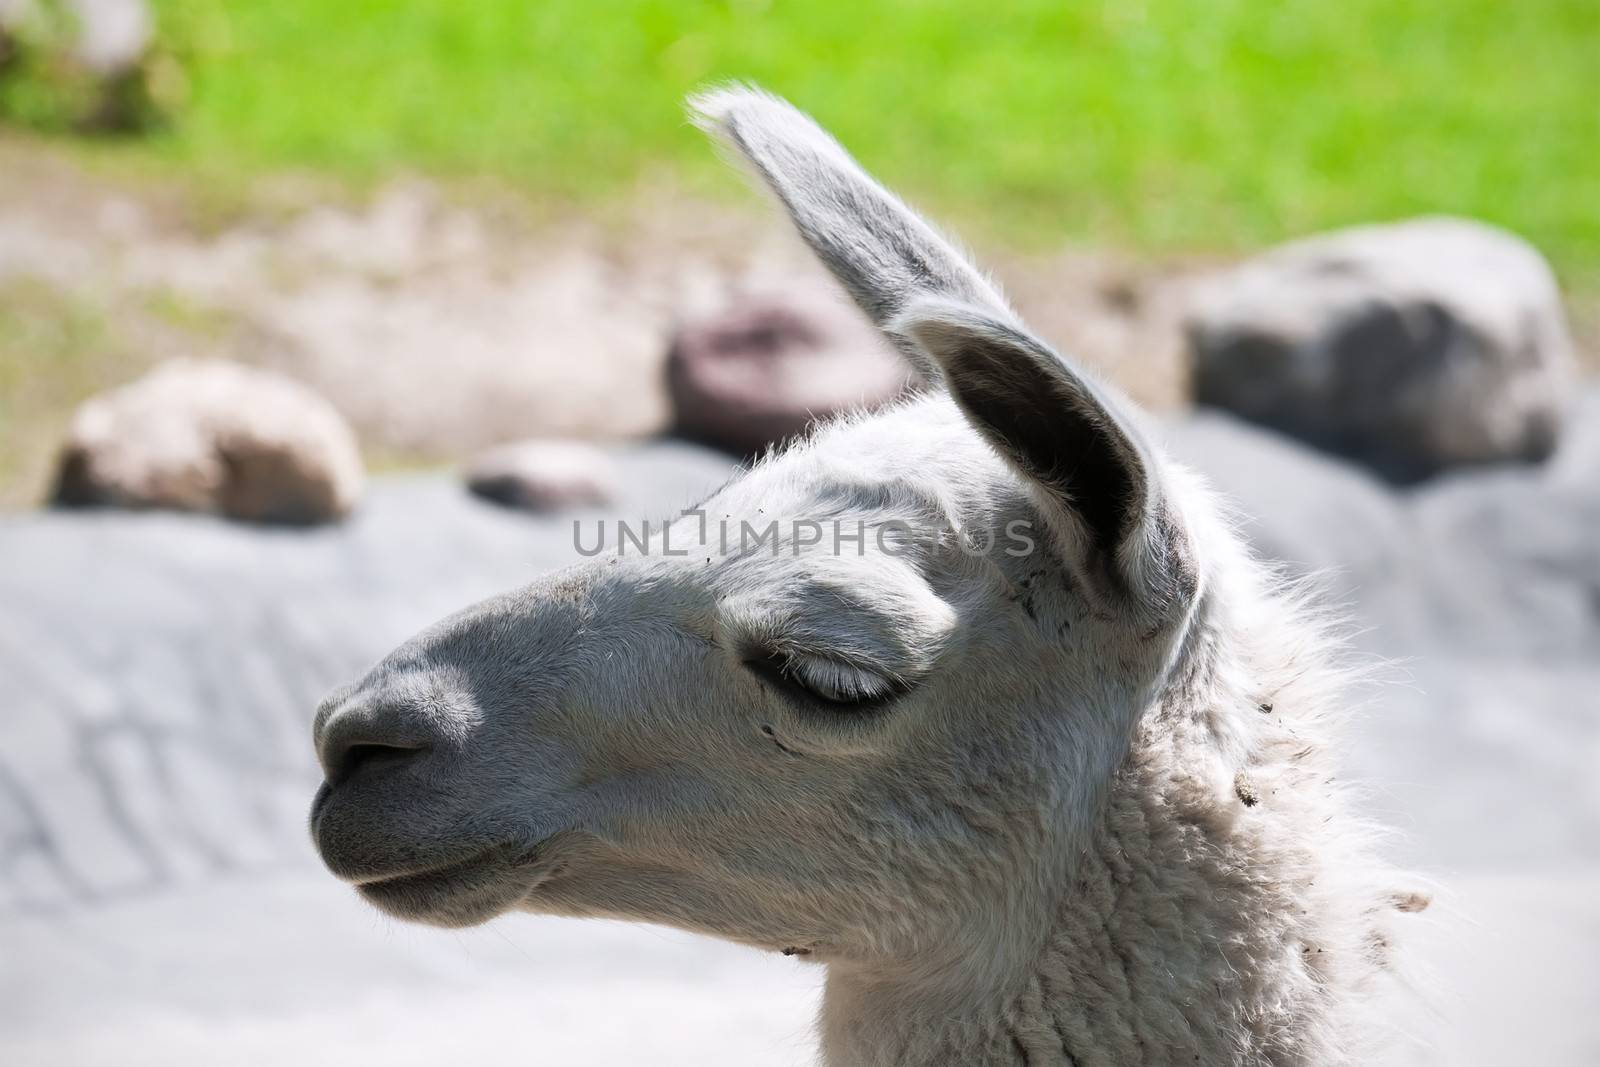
x=1066 y=800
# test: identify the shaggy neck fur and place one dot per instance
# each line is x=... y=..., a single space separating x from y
x=1200 y=923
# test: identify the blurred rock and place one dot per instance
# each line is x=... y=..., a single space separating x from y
x=1413 y=347
x=1496 y=562
x=212 y=436
x=1511 y=564
x=768 y=365
x=1577 y=463
x=11 y=13
x=544 y=475
x=104 y=49
x=113 y=35
x=1300 y=507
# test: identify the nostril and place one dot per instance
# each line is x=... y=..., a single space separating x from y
x=366 y=755
x=367 y=735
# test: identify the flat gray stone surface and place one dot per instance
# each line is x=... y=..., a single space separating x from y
x=160 y=902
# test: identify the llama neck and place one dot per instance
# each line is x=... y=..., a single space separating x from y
x=1203 y=922
x=1149 y=959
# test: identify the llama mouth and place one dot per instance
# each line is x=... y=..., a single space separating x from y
x=463 y=893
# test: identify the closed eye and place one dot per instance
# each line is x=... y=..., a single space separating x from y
x=818 y=679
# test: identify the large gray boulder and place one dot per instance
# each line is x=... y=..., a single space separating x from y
x=160 y=904
x=1501 y=562
x=1413 y=347
x=215 y=437
x=1577 y=463
x=1302 y=508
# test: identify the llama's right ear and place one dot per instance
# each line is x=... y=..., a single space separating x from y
x=882 y=252
x=1065 y=434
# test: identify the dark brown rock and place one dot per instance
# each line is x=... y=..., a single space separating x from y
x=767 y=366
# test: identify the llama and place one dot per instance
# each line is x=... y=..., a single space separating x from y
x=1064 y=799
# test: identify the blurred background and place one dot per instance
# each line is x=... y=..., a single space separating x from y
x=322 y=318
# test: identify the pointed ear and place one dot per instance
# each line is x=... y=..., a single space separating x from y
x=882 y=252
x=1065 y=435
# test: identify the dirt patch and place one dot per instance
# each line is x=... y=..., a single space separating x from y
x=440 y=321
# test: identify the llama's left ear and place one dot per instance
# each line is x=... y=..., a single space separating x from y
x=1063 y=433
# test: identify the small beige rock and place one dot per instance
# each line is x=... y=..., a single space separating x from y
x=212 y=436
x=547 y=475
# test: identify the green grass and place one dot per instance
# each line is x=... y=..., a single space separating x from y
x=1157 y=124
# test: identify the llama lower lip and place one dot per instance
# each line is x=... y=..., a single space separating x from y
x=504 y=867
x=459 y=869
x=465 y=893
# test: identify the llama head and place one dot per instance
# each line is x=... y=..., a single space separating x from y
x=878 y=733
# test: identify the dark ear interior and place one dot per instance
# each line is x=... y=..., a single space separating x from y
x=1052 y=424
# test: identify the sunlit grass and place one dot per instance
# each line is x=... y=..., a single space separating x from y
x=1161 y=124
x=1168 y=124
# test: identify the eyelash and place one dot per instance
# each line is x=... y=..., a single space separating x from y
x=839 y=685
